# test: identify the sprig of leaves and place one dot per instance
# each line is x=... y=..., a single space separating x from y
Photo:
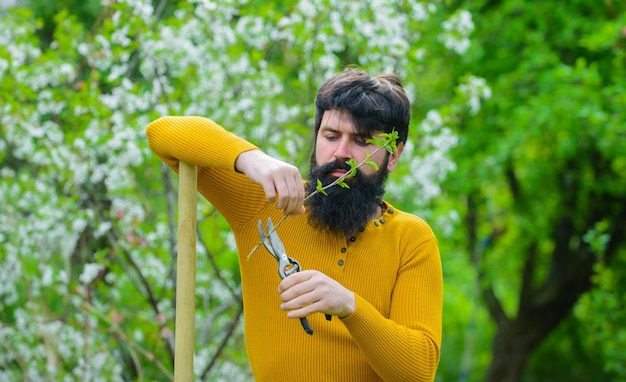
x=386 y=141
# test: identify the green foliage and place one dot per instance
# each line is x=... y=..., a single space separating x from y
x=539 y=169
x=387 y=141
x=320 y=188
x=353 y=166
x=601 y=313
x=572 y=340
x=88 y=230
x=518 y=135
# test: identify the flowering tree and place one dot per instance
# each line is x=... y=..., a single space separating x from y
x=88 y=213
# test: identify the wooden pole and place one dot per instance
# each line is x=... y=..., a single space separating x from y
x=185 y=273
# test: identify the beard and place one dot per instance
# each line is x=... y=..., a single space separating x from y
x=344 y=210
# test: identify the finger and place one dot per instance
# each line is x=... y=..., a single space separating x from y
x=294 y=279
x=291 y=195
x=304 y=311
x=270 y=191
x=299 y=300
x=295 y=199
x=299 y=186
x=303 y=305
x=301 y=211
x=282 y=202
x=299 y=295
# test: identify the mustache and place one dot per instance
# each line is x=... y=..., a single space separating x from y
x=328 y=168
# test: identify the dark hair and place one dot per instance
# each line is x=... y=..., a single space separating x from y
x=376 y=103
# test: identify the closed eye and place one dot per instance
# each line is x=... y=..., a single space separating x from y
x=361 y=141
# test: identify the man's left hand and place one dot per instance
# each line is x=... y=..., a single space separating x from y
x=307 y=292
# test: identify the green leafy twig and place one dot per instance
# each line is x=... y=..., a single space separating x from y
x=385 y=141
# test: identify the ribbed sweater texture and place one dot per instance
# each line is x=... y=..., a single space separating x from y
x=392 y=265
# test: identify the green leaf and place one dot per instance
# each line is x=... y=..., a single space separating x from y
x=376 y=141
x=342 y=183
x=320 y=188
x=391 y=141
x=386 y=141
x=353 y=166
x=372 y=164
x=369 y=162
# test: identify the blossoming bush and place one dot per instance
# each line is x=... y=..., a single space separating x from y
x=88 y=213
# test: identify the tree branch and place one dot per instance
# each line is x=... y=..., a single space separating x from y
x=528 y=277
x=477 y=249
x=494 y=306
x=142 y=284
x=222 y=345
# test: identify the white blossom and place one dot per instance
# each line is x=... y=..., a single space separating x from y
x=433 y=122
x=102 y=229
x=475 y=89
x=456 y=31
x=4 y=65
x=90 y=272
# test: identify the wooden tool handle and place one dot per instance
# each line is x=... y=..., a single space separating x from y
x=186 y=273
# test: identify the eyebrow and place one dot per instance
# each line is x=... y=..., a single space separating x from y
x=337 y=131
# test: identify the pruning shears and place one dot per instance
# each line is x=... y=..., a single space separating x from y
x=286 y=265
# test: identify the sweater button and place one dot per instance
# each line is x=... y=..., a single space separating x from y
x=340 y=263
x=344 y=249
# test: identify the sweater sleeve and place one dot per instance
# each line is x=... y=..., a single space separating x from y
x=405 y=346
x=195 y=140
x=200 y=141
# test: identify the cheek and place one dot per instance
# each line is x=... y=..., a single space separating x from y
x=380 y=158
x=322 y=154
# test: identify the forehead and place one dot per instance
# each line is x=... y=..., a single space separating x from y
x=343 y=122
x=337 y=120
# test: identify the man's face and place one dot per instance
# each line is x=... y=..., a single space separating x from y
x=345 y=210
x=338 y=140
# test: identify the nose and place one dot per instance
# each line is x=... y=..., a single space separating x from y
x=342 y=151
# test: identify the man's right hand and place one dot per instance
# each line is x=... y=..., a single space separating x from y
x=282 y=182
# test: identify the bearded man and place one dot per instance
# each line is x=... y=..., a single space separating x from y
x=374 y=268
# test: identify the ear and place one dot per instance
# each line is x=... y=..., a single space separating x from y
x=393 y=158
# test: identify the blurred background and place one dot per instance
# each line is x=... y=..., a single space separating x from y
x=517 y=158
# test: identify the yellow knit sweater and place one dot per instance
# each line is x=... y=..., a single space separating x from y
x=392 y=266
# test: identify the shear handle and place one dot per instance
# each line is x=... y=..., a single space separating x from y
x=306 y=326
